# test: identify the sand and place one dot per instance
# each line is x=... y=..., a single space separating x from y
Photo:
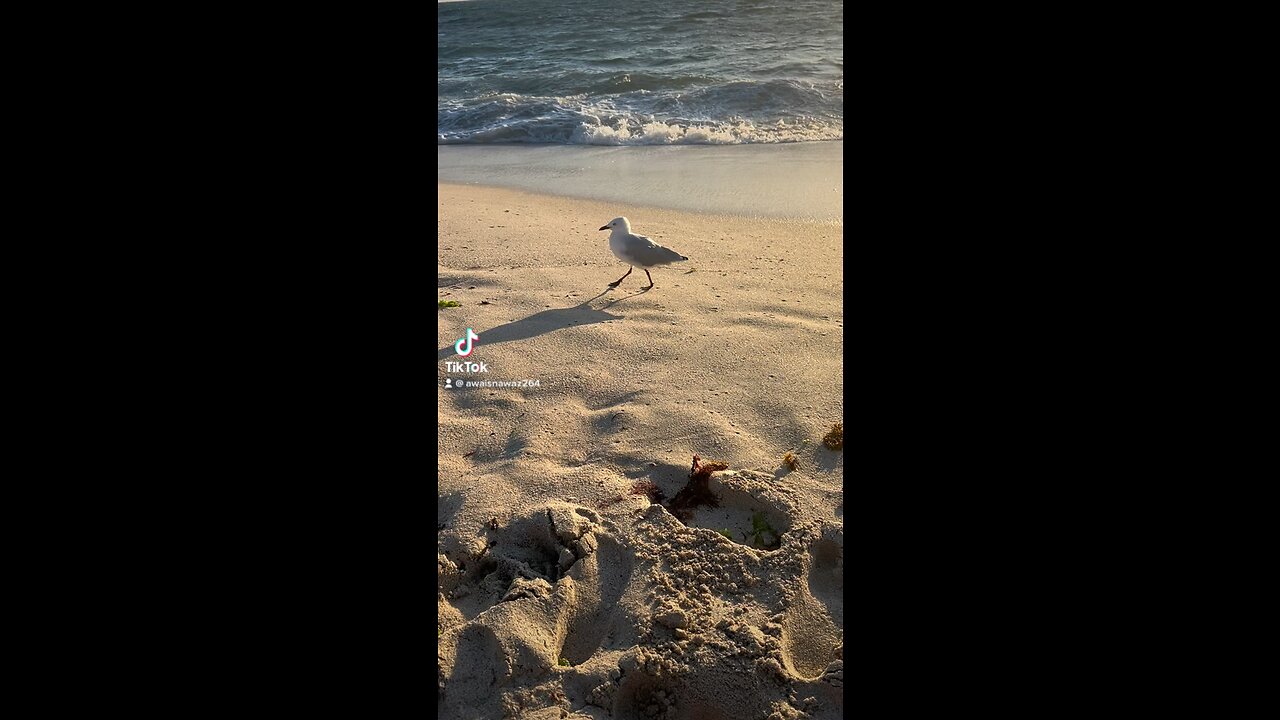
x=564 y=591
x=802 y=181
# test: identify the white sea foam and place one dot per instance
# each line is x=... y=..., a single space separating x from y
x=734 y=113
x=736 y=133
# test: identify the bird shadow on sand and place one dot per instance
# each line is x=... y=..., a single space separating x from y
x=544 y=322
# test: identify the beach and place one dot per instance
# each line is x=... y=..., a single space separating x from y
x=571 y=582
x=793 y=181
x=641 y=508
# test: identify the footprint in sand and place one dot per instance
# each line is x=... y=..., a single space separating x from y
x=826 y=574
x=524 y=558
x=547 y=589
x=480 y=652
x=601 y=577
x=814 y=626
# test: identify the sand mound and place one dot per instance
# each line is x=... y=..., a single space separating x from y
x=558 y=609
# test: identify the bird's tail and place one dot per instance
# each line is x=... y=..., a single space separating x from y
x=683 y=257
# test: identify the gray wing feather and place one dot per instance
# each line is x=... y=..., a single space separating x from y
x=647 y=252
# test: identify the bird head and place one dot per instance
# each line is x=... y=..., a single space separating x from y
x=618 y=223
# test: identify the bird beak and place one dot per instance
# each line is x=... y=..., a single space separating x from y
x=606 y=227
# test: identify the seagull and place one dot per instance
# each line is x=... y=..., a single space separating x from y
x=637 y=250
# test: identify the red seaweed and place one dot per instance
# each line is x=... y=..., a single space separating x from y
x=696 y=492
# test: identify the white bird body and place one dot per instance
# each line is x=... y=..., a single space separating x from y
x=637 y=249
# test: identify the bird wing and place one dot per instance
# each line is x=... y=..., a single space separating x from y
x=647 y=252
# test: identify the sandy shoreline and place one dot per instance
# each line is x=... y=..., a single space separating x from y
x=560 y=589
x=800 y=181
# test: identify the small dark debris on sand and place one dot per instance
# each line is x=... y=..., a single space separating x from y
x=647 y=488
x=790 y=461
x=696 y=492
x=835 y=438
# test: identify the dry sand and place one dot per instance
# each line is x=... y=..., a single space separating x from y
x=561 y=593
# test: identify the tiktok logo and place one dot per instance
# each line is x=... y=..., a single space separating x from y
x=466 y=342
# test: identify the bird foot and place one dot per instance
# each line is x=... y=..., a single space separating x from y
x=615 y=284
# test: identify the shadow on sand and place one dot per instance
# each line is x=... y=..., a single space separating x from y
x=545 y=322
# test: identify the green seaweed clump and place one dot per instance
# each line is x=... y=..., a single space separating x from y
x=447 y=303
x=759 y=528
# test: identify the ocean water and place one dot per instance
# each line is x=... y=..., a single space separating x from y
x=658 y=72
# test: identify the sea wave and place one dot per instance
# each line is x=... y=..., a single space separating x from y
x=641 y=131
x=728 y=113
x=715 y=72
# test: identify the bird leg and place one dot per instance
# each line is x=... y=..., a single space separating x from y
x=646 y=273
x=624 y=277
